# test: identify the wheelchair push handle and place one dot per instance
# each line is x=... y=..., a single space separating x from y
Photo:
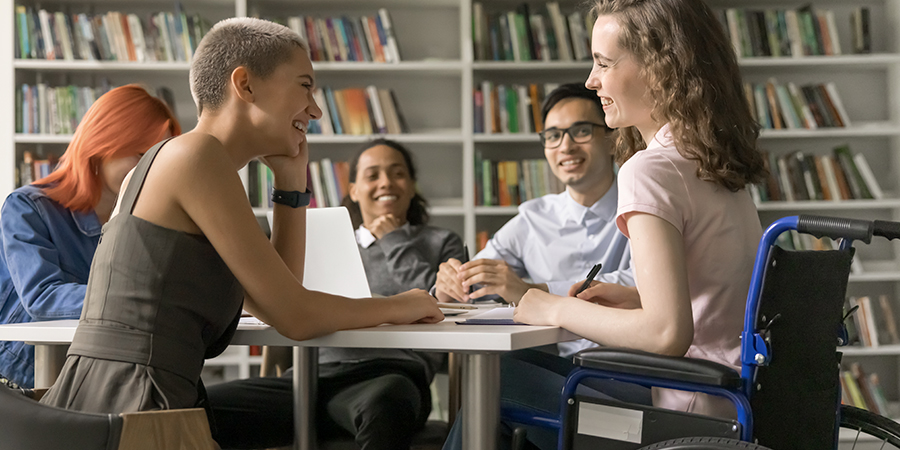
x=838 y=227
x=886 y=229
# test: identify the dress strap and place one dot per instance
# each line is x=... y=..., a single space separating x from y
x=137 y=178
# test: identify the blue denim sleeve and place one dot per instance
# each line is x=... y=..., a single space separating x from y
x=33 y=260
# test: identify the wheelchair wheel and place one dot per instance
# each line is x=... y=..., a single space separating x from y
x=865 y=428
x=703 y=443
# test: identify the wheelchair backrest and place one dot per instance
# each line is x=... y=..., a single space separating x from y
x=796 y=396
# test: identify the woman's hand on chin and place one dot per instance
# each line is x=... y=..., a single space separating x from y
x=289 y=171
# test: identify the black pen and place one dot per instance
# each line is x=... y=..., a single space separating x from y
x=590 y=276
x=465 y=260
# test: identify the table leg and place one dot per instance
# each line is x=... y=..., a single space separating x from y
x=306 y=377
x=48 y=362
x=481 y=401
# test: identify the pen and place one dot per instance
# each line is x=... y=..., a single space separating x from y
x=465 y=260
x=590 y=276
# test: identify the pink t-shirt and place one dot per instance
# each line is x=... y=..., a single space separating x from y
x=721 y=231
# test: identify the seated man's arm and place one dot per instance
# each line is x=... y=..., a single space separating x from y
x=499 y=269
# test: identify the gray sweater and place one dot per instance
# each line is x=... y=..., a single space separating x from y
x=406 y=258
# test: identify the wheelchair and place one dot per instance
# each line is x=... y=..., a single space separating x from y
x=787 y=394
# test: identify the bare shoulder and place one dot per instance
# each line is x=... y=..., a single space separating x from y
x=192 y=157
x=194 y=146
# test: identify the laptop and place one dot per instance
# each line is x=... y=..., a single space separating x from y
x=333 y=263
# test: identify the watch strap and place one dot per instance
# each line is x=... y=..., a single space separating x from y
x=294 y=199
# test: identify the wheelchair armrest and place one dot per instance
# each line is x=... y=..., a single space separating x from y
x=646 y=364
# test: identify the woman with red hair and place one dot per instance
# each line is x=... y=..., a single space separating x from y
x=51 y=228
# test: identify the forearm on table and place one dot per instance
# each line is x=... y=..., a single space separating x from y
x=627 y=328
x=311 y=314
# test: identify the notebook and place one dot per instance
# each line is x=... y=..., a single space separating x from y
x=333 y=263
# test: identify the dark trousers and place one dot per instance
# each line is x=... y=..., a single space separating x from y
x=379 y=403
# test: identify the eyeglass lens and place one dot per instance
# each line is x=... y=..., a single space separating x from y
x=580 y=133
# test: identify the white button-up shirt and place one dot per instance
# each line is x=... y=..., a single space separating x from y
x=555 y=240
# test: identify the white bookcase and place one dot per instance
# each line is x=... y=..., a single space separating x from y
x=434 y=85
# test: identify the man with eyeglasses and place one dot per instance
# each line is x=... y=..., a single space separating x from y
x=556 y=239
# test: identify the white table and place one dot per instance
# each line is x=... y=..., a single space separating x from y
x=479 y=345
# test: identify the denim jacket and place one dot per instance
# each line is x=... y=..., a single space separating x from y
x=44 y=266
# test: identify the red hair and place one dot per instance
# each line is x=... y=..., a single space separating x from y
x=123 y=122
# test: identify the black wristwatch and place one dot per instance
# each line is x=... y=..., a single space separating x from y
x=294 y=199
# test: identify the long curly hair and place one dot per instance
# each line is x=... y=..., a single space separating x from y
x=692 y=73
x=417 y=214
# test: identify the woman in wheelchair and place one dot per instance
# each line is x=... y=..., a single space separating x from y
x=670 y=84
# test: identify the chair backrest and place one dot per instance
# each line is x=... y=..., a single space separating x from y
x=795 y=397
x=27 y=424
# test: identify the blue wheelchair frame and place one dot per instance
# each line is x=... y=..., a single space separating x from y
x=754 y=349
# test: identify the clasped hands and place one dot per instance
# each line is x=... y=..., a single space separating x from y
x=495 y=277
x=535 y=306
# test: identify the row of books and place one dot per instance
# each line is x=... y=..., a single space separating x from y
x=509 y=108
x=530 y=35
x=508 y=183
x=330 y=182
x=45 y=109
x=53 y=110
x=260 y=184
x=358 y=111
x=31 y=169
x=113 y=36
x=788 y=106
x=803 y=176
x=863 y=390
x=787 y=32
x=874 y=322
x=366 y=38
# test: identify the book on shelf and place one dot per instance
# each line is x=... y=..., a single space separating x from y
x=260 y=184
x=510 y=183
x=509 y=108
x=113 y=36
x=860 y=28
x=851 y=388
x=31 y=169
x=530 y=34
x=805 y=176
x=481 y=240
x=781 y=32
x=357 y=111
x=874 y=322
x=788 y=106
x=863 y=390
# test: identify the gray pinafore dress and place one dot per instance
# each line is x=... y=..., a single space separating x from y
x=158 y=302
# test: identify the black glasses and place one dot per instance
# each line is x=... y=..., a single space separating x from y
x=580 y=132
